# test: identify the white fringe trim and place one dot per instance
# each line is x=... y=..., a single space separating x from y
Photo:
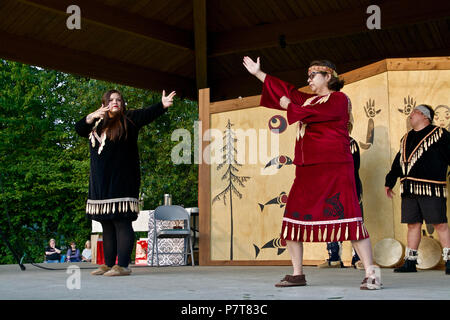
x=446 y=254
x=323 y=231
x=417 y=153
x=411 y=254
x=423 y=187
x=93 y=135
x=109 y=206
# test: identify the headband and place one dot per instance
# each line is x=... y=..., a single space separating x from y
x=424 y=110
x=323 y=69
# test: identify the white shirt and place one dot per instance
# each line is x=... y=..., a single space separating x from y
x=87 y=253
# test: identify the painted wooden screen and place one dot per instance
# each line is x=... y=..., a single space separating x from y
x=242 y=191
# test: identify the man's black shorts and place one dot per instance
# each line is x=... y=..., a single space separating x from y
x=415 y=209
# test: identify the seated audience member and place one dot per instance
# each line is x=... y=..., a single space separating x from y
x=52 y=253
x=73 y=254
x=86 y=255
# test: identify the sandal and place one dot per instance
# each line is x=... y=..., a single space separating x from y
x=292 y=281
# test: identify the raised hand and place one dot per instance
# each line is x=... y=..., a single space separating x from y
x=167 y=101
x=97 y=114
x=252 y=66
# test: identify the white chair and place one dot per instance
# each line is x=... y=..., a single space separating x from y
x=172 y=213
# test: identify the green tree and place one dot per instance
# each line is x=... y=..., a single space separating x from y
x=44 y=164
x=39 y=196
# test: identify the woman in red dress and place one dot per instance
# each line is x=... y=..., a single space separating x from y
x=322 y=205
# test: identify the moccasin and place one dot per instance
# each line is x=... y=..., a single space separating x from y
x=118 y=271
x=292 y=281
x=100 y=270
x=371 y=283
x=359 y=265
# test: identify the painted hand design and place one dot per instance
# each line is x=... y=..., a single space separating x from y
x=371 y=112
x=410 y=104
x=369 y=108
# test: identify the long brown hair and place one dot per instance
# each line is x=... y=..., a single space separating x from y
x=117 y=125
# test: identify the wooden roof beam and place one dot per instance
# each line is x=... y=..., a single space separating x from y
x=248 y=85
x=352 y=21
x=120 y=20
x=47 y=55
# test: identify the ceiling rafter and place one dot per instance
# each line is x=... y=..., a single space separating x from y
x=187 y=55
x=248 y=85
x=120 y=20
x=331 y=25
x=31 y=51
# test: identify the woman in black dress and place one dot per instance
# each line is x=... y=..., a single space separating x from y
x=114 y=180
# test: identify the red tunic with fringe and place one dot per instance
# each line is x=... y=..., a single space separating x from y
x=322 y=205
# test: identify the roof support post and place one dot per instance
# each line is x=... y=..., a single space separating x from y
x=200 y=36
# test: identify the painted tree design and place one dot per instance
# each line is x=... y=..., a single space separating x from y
x=233 y=181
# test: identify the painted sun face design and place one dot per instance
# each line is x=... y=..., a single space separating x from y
x=442 y=116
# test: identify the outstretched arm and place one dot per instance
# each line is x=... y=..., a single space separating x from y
x=274 y=88
x=142 y=117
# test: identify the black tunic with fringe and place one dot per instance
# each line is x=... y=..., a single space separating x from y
x=115 y=178
x=422 y=162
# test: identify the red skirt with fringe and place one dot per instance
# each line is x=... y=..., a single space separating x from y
x=322 y=205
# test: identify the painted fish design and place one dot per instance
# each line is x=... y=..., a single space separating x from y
x=281 y=200
x=276 y=243
x=279 y=162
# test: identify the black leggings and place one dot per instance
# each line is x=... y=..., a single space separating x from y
x=118 y=240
